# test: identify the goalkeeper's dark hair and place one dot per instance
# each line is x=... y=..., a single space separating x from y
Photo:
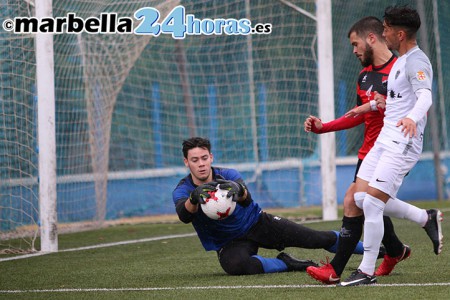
x=195 y=142
x=404 y=17
x=367 y=25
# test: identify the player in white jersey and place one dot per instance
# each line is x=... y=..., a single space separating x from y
x=411 y=74
x=399 y=144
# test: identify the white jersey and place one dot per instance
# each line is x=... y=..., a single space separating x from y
x=411 y=72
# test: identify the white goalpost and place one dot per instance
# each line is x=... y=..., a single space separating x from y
x=326 y=108
x=323 y=19
x=46 y=132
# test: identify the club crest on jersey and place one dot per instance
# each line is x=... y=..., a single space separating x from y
x=397 y=74
x=421 y=76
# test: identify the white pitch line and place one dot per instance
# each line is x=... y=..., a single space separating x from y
x=300 y=286
x=103 y=245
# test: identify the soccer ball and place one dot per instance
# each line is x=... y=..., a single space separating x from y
x=218 y=206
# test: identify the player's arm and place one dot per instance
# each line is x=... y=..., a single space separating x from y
x=187 y=207
x=359 y=110
x=419 y=111
x=313 y=124
x=377 y=104
x=420 y=76
x=185 y=210
x=237 y=189
x=380 y=102
x=339 y=124
x=247 y=197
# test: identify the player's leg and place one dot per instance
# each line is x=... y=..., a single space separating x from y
x=373 y=233
x=396 y=251
x=401 y=210
x=349 y=236
x=364 y=201
x=274 y=232
x=238 y=258
x=384 y=170
x=394 y=247
x=429 y=219
x=374 y=203
x=351 y=231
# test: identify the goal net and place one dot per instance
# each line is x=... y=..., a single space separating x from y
x=125 y=103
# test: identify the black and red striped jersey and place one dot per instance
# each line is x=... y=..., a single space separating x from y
x=371 y=79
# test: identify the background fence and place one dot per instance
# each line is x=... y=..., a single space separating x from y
x=124 y=104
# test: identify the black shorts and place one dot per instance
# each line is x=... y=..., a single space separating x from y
x=274 y=232
x=270 y=232
x=358 y=165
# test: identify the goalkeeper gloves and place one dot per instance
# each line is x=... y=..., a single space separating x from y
x=201 y=193
x=236 y=189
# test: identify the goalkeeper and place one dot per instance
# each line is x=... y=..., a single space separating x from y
x=237 y=238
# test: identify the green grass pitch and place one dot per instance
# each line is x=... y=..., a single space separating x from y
x=179 y=268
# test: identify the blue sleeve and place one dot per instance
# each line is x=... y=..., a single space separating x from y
x=182 y=191
x=179 y=196
x=228 y=174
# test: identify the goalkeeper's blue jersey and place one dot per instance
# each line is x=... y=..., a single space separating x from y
x=214 y=234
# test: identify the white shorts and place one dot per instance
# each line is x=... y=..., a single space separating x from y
x=385 y=169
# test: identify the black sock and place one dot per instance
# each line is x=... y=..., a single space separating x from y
x=349 y=237
x=394 y=247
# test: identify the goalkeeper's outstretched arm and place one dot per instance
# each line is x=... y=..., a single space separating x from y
x=185 y=210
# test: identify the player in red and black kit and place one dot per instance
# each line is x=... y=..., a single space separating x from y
x=370 y=48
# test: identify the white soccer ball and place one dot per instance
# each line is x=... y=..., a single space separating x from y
x=218 y=206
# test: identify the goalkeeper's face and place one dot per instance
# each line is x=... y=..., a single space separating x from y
x=199 y=162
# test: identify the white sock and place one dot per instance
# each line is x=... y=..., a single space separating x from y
x=398 y=209
x=373 y=232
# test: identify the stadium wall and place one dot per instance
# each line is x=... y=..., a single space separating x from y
x=152 y=196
